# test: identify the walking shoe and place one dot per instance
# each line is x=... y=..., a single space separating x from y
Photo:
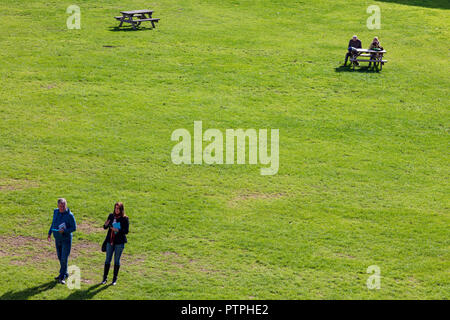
x=59 y=277
x=105 y=273
x=116 y=272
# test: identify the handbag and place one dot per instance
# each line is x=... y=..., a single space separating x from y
x=104 y=245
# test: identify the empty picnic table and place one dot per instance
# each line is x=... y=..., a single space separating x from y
x=139 y=15
x=374 y=56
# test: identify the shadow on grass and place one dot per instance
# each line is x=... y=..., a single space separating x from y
x=75 y=295
x=29 y=292
x=357 y=69
x=88 y=293
x=125 y=29
x=439 y=4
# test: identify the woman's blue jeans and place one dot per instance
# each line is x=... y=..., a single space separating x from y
x=117 y=250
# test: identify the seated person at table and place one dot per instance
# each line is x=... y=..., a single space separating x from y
x=375 y=45
x=353 y=43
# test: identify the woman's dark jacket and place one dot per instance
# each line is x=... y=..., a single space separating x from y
x=120 y=237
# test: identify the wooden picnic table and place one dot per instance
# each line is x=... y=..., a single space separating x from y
x=139 y=15
x=374 y=56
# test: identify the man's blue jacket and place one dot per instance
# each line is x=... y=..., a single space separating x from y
x=66 y=217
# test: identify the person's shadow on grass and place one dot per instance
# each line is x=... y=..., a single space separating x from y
x=88 y=293
x=29 y=292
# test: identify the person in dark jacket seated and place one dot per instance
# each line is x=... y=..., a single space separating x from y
x=353 y=43
x=117 y=225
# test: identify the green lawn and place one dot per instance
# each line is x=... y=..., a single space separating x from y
x=364 y=156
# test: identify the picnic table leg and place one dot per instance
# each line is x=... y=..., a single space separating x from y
x=133 y=24
x=139 y=23
x=142 y=16
x=150 y=16
x=121 y=21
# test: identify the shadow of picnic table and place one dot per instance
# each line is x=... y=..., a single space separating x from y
x=363 y=69
x=125 y=29
x=29 y=292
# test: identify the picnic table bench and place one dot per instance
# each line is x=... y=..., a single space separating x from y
x=139 y=15
x=374 y=56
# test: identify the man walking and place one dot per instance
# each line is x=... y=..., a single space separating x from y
x=63 y=224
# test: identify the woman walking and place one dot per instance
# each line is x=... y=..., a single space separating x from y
x=117 y=225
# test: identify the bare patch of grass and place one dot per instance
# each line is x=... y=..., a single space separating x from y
x=174 y=259
x=89 y=227
x=16 y=184
x=254 y=196
x=49 y=86
x=25 y=250
x=343 y=255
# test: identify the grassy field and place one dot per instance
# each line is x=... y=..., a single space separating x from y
x=364 y=156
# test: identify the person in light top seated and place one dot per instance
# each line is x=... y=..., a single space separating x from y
x=117 y=225
x=375 y=45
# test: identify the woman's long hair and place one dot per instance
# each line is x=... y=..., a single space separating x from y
x=121 y=209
